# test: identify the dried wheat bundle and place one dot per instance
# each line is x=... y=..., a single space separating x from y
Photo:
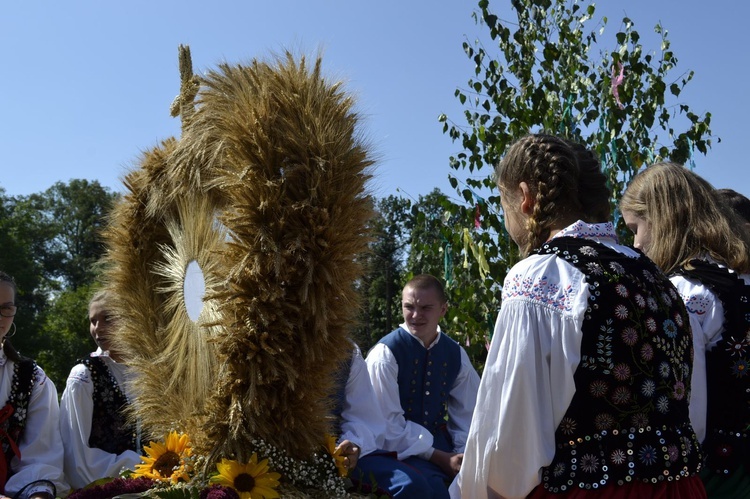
x=288 y=160
x=171 y=357
x=265 y=191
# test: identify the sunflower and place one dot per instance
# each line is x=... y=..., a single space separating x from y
x=166 y=461
x=251 y=480
x=338 y=459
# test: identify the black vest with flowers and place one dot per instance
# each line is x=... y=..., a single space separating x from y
x=110 y=429
x=727 y=442
x=628 y=420
x=14 y=412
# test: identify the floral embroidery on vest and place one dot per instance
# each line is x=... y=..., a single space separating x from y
x=110 y=429
x=727 y=442
x=628 y=419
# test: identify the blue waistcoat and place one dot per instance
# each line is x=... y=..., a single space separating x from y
x=425 y=379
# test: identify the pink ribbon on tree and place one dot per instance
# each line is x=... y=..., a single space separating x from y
x=618 y=75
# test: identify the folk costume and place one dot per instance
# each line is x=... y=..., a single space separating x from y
x=363 y=424
x=427 y=394
x=586 y=386
x=32 y=449
x=718 y=301
x=99 y=441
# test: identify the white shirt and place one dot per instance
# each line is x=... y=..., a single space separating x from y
x=40 y=444
x=363 y=423
x=84 y=464
x=408 y=438
x=707 y=322
x=528 y=384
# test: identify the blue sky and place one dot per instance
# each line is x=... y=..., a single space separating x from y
x=86 y=86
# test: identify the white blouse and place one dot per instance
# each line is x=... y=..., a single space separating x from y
x=528 y=384
x=84 y=464
x=362 y=423
x=40 y=444
x=408 y=438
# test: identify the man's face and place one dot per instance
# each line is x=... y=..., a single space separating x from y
x=422 y=310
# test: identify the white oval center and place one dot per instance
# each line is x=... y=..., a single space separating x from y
x=193 y=290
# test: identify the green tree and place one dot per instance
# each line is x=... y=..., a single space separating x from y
x=555 y=71
x=381 y=285
x=22 y=237
x=76 y=214
x=51 y=244
x=66 y=334
x=426 y=236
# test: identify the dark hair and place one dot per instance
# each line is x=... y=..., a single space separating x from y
x=7 y=278
x=564 y=178
x=427 y=281
x=593 y=192
x=10 y=352
x=736 y=201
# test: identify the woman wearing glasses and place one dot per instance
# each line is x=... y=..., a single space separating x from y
x=31 y=457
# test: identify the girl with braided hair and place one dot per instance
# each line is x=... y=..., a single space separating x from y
x=586 y=386
x=680 y=221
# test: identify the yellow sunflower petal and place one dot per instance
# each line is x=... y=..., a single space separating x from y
x=263 y=482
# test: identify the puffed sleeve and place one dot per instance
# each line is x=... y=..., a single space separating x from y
x=406 y=438
x=527 y=384
x=707 y=323
x=40 y=443
x=362 y=420
x=84 y=464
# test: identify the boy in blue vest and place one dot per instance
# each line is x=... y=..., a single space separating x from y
x=426 y=387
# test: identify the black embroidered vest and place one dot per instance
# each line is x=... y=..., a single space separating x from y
x=110 y=429
x=727 y=442
x=628 y=419
x=11 y=428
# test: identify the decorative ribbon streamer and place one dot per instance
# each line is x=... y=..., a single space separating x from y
x=448 y=263
x=567 y=115
x=478 y=209
x=477 y=250
x=617 y=79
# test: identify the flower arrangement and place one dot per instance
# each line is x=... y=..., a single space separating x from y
x=171 y=470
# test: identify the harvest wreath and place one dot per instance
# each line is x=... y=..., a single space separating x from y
x=261 y=206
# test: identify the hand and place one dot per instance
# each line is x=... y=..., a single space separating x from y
x=449 y=462
x=350 y=452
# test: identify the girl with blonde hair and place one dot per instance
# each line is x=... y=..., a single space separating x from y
x=681 y=223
